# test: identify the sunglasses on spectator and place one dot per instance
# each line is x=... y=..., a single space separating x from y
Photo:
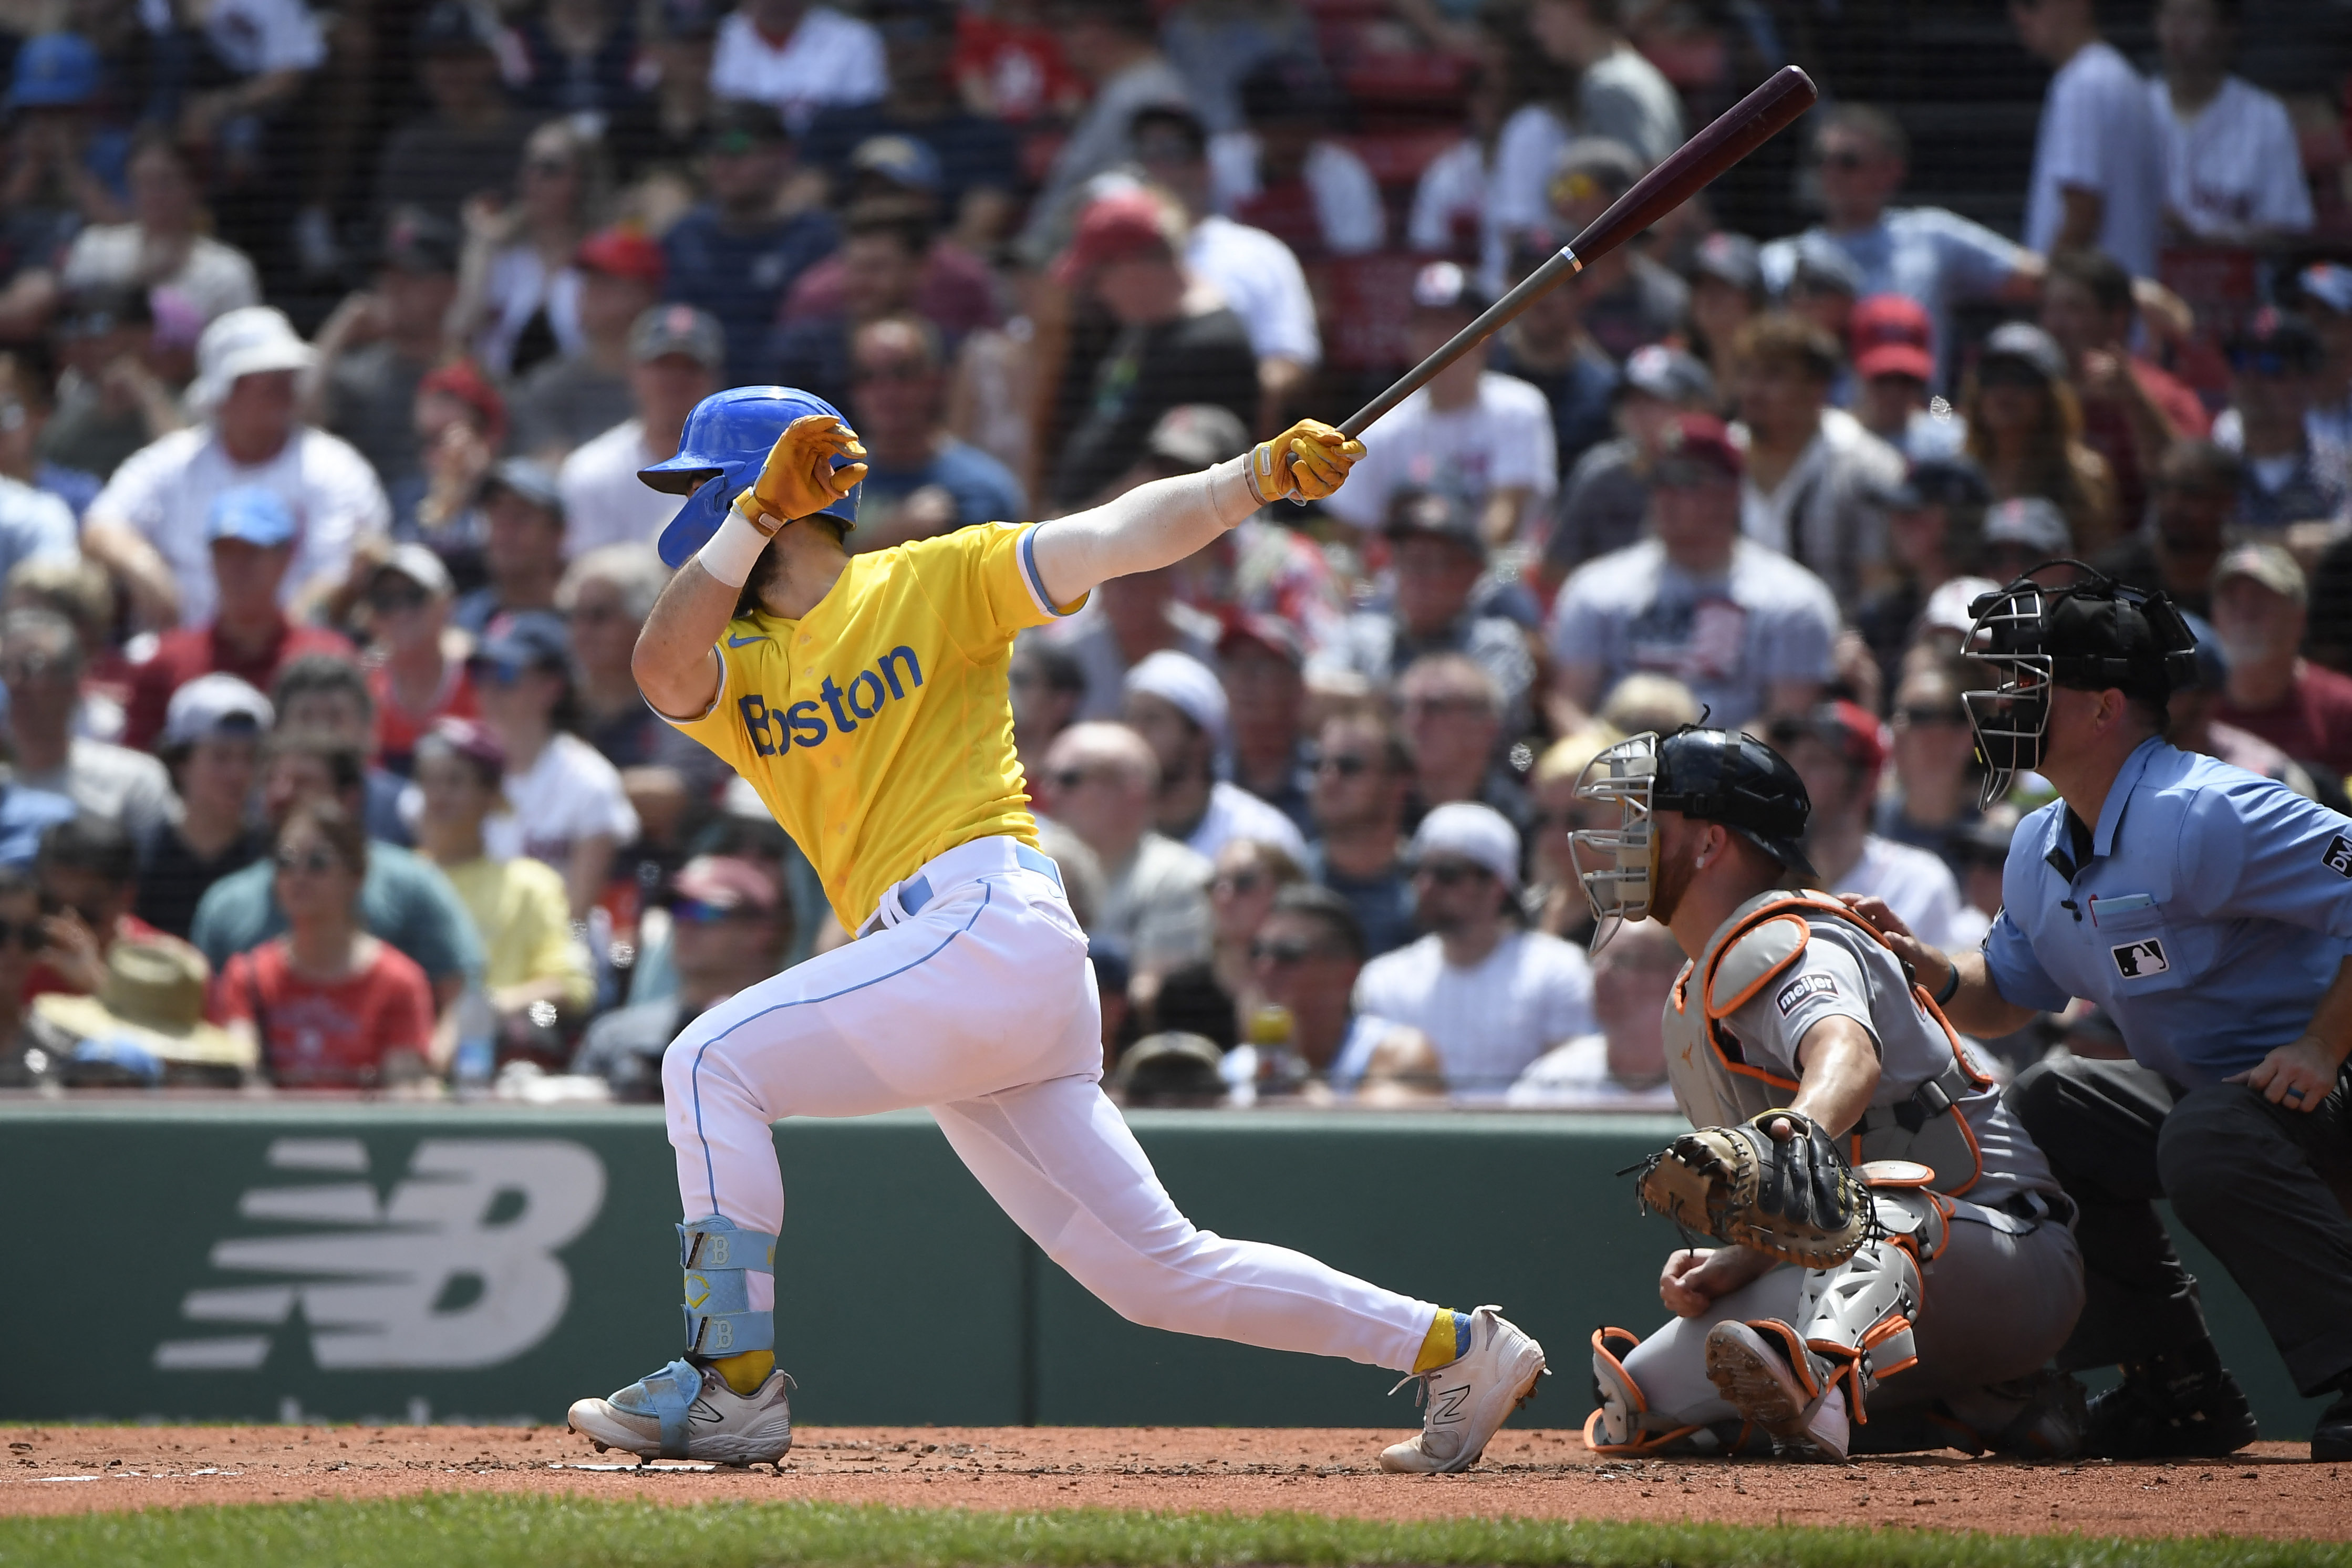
x=1849 y=162
x=393 y=600
x=1072 y=778
x=26 y=935
x=1240 y=883
x=1346 y=764
x=317 y=862
x=694 y=912
x=2009 y=373
x=496 y=673
x=1437 y=708
x=1925 y=714
x=1282 y=954
x=1452 y=873
x=547 y=167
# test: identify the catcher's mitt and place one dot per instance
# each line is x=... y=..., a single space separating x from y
x=1799 y=1201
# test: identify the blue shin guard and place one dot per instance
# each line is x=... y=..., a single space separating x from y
x=718 y=1259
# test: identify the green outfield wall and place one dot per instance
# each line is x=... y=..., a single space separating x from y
x=265 y=1260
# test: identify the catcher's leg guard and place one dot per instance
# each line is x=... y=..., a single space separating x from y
x=1856 y=1319
x=719 y=1260
x=1624 y=1423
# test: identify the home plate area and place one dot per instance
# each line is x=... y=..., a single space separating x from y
x=2270 y=1489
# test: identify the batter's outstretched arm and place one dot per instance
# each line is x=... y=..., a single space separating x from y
x=676 y=656
x=1161 y=523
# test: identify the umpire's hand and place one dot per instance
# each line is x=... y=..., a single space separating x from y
x=2297 y=1076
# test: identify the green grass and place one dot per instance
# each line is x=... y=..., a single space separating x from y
x=488 y=1530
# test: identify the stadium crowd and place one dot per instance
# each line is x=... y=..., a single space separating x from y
x=326 y=766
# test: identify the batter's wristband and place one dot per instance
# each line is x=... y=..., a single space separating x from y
x=730 y=553
x=1261 y=469
x=1951 y=986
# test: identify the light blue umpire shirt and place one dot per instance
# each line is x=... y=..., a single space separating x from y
x=2211 y=916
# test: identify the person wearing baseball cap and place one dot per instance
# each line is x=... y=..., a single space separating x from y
x=2020 y=534
x=211 y=743
x=409 y=598
x=2260 y=610
x=2275 y=365
x=1893 y=366
x=676 y=355
x=149 y=526
x=1471 y=430
x=2024 y=424
x=250 y=536
x=1177 y=705
x=1768 y=650
x=1491 y=994
x=1183 y=348
x=1606 y=498
x=520 y=524
x=1839 y=749
x=1935 y=522
x=569 y=399
x=381 y=341
x=1546 y=346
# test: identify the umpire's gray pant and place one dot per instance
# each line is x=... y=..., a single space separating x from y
x=2266 y=1189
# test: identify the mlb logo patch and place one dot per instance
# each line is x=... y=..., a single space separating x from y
x=2138 y=960
x=2339 y=856
x=1803 y=985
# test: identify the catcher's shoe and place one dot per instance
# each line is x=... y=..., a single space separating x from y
x=1757 y=1380
x=689 y=1412
x=2332 y=1438
x=2183 y=1405
x=1465 y=1401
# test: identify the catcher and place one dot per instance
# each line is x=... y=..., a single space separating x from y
x=1797 y=1042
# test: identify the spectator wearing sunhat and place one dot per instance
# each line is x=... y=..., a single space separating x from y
x=564 y=402
x=151 y=526
x=738 y=252
x=145 y=1026
x=2260 y=606
x=1472 y=431
x=2275 y=365
x=1493 y=995
x=1176 y=704
x=249 y=537
x=1439 y=561
x=1748 y=629
x=730 y=927
x=1839 y=749
x=380 y=343
x=676 y=355
x=211 y=743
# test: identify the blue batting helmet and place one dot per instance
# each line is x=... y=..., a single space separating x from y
x=727 y=439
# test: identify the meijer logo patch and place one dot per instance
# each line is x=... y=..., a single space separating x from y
x=1803 y=985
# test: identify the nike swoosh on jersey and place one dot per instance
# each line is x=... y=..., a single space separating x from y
x=742 y=641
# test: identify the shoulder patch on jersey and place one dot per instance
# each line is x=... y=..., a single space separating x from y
x=2338 y=856
x=1804 y=986
x=2138 y=960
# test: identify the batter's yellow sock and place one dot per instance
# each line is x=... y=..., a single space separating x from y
x=745 y=1372
x=1447 y=1341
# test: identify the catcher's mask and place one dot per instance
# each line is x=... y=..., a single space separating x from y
x=2092 y=635
x=1715 y=775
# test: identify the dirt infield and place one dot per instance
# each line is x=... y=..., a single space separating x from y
x=2270 y=1491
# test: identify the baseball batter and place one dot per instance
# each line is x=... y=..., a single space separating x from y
x=865 y=698
x=1933 y=1335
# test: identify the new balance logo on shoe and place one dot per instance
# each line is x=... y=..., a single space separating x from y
x=1446 y=1405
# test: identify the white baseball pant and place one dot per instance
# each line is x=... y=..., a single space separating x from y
x=980 y=1006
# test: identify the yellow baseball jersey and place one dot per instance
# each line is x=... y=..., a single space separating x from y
x=878 y=729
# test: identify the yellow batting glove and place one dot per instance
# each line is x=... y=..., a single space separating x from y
x=1306 y=463
x=799 y=480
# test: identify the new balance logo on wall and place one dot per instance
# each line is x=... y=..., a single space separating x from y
x=455 y=1269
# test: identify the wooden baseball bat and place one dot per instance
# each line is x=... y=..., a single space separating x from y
x=1687 y=170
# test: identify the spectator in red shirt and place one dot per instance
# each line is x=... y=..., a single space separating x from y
x=331 y=1006
x=252 y=533
x=2132 y=411
x=416 y=673
x=2259 y=601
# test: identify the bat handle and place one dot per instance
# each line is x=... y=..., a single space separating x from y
x=1561 y=265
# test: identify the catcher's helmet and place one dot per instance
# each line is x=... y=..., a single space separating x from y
x=726 y=441
x=1716 y=775
x=2095 y=635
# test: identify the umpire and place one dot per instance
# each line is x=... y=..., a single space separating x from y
x=2209 y=912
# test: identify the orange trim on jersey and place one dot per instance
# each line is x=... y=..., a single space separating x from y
x=1762 y=980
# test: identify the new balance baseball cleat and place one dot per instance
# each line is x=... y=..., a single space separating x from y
x=689 y=1412
x=1465 y=1402
x=1757 y=1380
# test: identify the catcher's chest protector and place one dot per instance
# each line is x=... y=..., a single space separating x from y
x=1917 y=1115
